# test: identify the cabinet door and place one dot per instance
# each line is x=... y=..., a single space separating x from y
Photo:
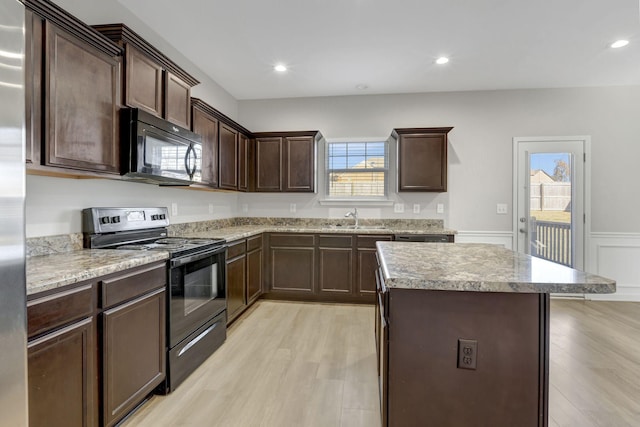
x=299 y=164
x=177 y=101
x=82 y=87
x=236 y=278
x=292 y=269
x=422 y=162
x=269 y=164
x=254 y=275
x=62 y=382
x=33 y=87
x=366 y=276
x=133 y=353
x=335 y=264
x=244 y=159
x=143 y=82
x=207 y=127
x=228 y=157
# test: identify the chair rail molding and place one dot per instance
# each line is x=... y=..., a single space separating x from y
x=615 y=256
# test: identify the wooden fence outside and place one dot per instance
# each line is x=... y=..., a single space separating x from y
x=550 y=196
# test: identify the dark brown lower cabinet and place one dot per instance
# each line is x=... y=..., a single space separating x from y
x=367 y=264
x=63 y=377
x=337 y=267
x=422 y=381
x=133 y=353
x=335 y=264
x=244 y=275
x=254 y=268
x=292 y=264
x=236 y=279
x=80 y=344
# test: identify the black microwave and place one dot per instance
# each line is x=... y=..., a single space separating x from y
x=156 y=151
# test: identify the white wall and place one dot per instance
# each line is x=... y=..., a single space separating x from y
x=54 y=205
x=95 y=12
x=480 y=149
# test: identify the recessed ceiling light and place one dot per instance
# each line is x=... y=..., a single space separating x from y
x=362 y=87
x=281 y=68
x=619 y=43
x=442 y=60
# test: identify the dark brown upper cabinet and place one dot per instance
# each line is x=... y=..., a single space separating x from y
x=286 y=161
x=422 y=159
x=228 y=137
x=72 y=94
x=205 y=124
x=152 y=81
x=226 y=148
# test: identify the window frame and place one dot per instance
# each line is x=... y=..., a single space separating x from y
x=363 y=198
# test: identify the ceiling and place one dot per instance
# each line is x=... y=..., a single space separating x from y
x=333 y=46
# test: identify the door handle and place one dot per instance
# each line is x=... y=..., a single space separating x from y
x=523 y=230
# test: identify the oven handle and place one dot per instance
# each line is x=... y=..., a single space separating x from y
x=197 y=257
x=196 y=339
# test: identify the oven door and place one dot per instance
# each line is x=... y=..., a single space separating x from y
x=198 y=292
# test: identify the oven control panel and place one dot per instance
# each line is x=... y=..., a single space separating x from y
x=108 y=220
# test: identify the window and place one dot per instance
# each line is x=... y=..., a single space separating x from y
x=357 y=170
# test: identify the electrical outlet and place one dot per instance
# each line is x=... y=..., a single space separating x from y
x=501 y=208
x=440 y=208
x=292 y=208
x=245 y=207
x=467 y=353
x=174 y=209
x=416 y=208
x=210 y=208
x=398 y=208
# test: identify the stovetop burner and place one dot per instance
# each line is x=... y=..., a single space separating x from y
x=141 y=229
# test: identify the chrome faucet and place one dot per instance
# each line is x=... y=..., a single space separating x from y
x=353 y=214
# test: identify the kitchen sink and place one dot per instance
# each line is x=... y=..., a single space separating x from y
x=360 y=227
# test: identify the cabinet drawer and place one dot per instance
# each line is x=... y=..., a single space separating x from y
x=135 y=283
x=254 y=243
x=335 y=241
x=236 y=248
x=369 y=240
x=55 y=310
x=291 y=240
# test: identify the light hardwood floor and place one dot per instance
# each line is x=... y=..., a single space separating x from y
x=301 y=364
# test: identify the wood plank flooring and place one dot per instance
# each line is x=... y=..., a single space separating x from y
x=283 y=364
x=301 y=364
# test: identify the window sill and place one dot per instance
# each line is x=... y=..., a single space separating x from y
x=358 y=202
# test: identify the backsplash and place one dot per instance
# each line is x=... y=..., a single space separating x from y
x=53 y=244
x=203 y=226
x=46 y=245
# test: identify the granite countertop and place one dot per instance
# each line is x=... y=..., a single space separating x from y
x=480 y=268
x=244 y=231
x=47 y=272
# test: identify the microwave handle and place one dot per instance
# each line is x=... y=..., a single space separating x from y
x=187 y=159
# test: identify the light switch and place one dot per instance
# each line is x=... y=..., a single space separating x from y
x=416 y=208
x=440 y=208
x=398 y=208
x=245 y=207
x=501 y=208
x=210 y=208
x=292 y=208
x=174 y=209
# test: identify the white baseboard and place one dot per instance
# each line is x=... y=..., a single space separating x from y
x=504 y=238
x=616 y=256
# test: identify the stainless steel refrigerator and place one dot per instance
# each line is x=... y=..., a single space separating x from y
x=13 y=339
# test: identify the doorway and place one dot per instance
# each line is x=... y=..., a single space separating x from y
x=551 y=189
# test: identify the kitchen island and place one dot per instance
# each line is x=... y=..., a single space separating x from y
x=462 y=333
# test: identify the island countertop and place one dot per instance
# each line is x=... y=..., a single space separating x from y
x=480 y=268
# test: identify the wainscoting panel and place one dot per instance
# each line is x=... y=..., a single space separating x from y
x=504 y=238
x=616 y=256
x=612 y=255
